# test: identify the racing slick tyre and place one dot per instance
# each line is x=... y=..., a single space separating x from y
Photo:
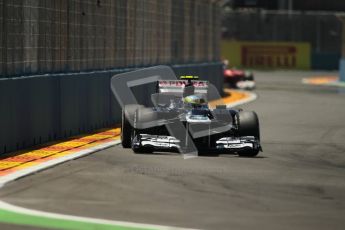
x=144 y=119
x=248 y=125
x=126 y=128
x=249 y=77
x=142 y=150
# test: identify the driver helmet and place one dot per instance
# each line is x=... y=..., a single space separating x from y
x=195 y=101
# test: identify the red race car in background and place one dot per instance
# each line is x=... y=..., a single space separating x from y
x=238 y=79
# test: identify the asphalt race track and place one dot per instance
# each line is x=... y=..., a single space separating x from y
x=298 y=182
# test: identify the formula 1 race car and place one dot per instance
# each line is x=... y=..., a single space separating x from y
x=181 y=120
x=239 y=79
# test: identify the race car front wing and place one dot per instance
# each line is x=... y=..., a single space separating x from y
x=238 y=143
x=159 y=142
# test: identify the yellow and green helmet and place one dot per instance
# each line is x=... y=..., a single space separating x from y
x=194 y=100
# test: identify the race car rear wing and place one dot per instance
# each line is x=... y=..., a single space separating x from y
x=177 y=86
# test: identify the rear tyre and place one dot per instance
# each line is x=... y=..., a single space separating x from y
x=248 y=125
x=249 y=78
x=144 y=117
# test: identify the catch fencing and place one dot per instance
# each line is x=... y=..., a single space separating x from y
x=45 y=36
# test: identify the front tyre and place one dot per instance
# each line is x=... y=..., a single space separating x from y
x=142 y=150
x=126 y=132
x=127 y=129
x=248 y=125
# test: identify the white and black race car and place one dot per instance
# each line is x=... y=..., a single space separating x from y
x=181 y=120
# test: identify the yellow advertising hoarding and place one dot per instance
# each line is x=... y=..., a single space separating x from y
x=274 y=55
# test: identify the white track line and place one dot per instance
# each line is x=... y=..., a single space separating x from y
x=28 y=171
x=31 y=212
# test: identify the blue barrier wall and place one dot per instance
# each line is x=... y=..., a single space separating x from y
x=39 y=109
x=342 y=70
x=325 y=61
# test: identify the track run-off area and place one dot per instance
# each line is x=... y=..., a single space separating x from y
x=296 y=183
